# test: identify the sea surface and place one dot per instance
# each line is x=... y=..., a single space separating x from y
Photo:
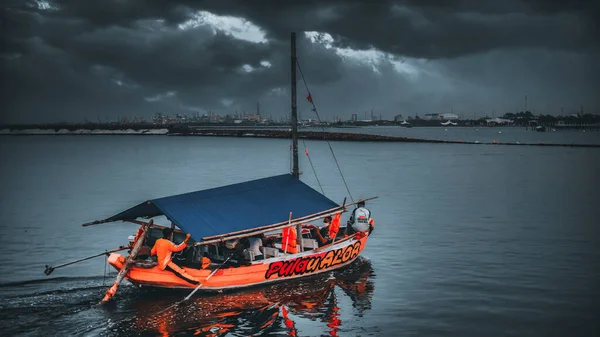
x=470 y=240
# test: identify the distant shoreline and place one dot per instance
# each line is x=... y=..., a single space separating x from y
x=83 y=132
x=185 y=127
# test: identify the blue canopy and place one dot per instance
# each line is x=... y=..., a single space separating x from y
x=234 y=207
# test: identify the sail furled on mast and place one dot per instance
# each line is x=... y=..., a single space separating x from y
x=234 y=207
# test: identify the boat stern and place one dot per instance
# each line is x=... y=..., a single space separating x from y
x=116 y=260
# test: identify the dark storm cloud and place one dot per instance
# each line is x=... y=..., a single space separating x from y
x=415 y=28
x=58 y=63
x=107 y=58
x=435 y=29
x=48 y=85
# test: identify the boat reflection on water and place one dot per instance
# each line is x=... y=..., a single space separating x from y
x=276 y=309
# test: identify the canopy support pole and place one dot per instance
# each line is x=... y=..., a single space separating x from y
x=340 y=225
x=287 y=239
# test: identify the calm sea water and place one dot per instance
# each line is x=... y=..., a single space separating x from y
x=470 y=240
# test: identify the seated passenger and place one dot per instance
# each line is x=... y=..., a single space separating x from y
x=269 y=241
x=236 y=250
x=195 y=258
x=326 y=234
x=360 y=220
x=254 y=244
x=163 y=249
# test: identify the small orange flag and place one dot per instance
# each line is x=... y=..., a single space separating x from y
x=309 y=98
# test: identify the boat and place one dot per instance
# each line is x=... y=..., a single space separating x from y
x=252 y=311
x=540 y=128
x=216 y=217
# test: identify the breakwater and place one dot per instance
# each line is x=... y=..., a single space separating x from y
x=346 y=136
x=265 y=133
x=309 y=135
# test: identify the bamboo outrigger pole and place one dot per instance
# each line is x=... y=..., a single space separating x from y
x=272 y=225
x=128 y=262
x=49 y=269
x=277 y=225
x=99 y=222
x=226 y=237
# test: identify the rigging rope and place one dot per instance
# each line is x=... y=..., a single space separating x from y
x=319 y=118
x=104 y=278
x=313 y=168
x=310 y=161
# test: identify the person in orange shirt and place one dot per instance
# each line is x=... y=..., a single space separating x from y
x=163 y=249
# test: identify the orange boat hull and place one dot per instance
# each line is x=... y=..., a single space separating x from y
x=259 y=272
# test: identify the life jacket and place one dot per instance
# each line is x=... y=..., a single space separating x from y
x=289 y=236
x=334 y=227
x=205 y=262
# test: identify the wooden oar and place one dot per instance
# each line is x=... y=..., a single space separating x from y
x=196 y=289
x=128 y=262
x=206 y=279
x=49 y=269
x=287 y=238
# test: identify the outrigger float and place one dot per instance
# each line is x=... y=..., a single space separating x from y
x=262 y=208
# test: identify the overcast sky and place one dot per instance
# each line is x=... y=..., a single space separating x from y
x=68 y=60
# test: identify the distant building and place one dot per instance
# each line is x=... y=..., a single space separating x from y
x=448 y=117
x=444 y=116
x=398 y=118
x=429 y=117
x=354 y=117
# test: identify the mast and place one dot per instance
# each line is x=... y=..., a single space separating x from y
x=295 y=170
